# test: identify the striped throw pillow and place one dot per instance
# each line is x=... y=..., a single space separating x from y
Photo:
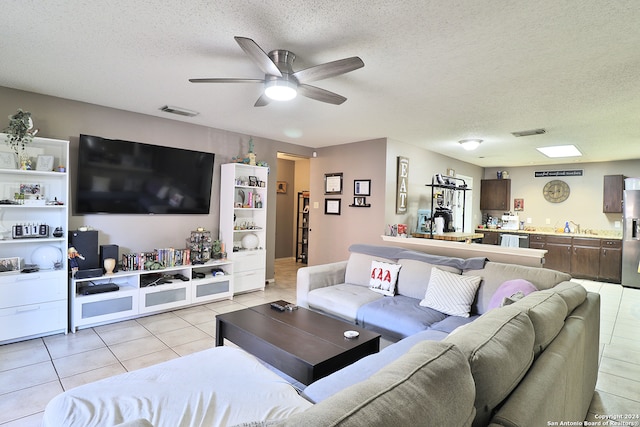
x=450 y=293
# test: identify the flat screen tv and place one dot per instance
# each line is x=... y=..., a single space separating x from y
x=125 y=177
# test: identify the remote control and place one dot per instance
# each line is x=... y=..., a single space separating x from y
x=181 y=277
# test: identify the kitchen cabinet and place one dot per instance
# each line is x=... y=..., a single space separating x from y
x=537 y=241
x=495 y=194
x=558 y=256
x=610 y=261
x=585 y=258
x=491 y=237
x=612 y=193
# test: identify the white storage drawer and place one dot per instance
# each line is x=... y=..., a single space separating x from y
x=163 y=297
x=34 y=319
x=33 y=288
x=248 y=281
x=249 y=260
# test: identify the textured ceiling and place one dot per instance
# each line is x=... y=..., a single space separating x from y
x=435 y=71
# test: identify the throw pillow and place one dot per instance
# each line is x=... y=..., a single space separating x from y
x=384 y=277
x=450 y=293
x=508 y=289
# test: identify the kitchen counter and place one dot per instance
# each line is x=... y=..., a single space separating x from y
x=452 y=237
x=595 y=234
x=522 y=256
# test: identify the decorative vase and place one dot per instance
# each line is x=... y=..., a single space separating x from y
x=109 y=264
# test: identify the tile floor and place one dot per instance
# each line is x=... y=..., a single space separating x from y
x=34 y=371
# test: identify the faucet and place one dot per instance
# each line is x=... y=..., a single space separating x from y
x=577 y=229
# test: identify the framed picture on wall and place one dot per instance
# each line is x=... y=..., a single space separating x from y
x=362 y=187
x=332 y=206
x=333 y=183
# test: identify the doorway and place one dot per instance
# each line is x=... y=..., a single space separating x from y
x=293 y=177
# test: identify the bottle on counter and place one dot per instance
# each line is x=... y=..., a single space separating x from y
x=566 y=227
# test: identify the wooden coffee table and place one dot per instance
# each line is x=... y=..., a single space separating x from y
x=301 y=343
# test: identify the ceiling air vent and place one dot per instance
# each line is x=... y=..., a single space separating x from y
x=179 y=111
x=529 y=132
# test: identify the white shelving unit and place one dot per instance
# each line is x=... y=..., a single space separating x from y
x=243 y=223
x=134 y=299
x=34 y=304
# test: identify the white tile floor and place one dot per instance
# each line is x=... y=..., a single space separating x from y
x=34 y=371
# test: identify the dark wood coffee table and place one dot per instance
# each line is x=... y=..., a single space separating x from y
x=301 y=343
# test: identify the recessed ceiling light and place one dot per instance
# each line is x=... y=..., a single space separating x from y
x=470 y=144
x=560 y=151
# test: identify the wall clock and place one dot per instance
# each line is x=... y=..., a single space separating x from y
x=556 y=191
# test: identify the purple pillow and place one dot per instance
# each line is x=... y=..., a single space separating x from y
x=509 y=288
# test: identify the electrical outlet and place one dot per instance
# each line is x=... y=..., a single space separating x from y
x=616 y=224
x=547 y=221
x=529 y=220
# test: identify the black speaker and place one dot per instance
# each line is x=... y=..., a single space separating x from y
x=109 y=251
x=86 y=243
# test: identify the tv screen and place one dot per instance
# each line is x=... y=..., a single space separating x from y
x=125 y=177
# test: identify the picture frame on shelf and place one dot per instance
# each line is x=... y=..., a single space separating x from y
x=10 y=265
x=359 y=201
x=332 y=206
x=8 y=160
x=44 y=163
x=361 y=187
x=333 y=183
x=253 y=181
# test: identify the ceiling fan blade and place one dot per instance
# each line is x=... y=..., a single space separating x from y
x=262 y=101
x=329 y=69
x=321 y=94
x=259 y=57
x=223 y=80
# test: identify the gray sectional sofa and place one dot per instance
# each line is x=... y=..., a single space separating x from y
x=529 y=363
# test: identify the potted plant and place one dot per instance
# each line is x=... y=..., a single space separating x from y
x=20 y=132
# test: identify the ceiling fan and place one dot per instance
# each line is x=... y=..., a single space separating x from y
x=281 y=82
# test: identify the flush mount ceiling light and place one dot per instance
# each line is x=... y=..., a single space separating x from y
x=280 y=90
x=470 y=144
x=560 y=151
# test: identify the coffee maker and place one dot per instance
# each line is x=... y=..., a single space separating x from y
x=447 y=215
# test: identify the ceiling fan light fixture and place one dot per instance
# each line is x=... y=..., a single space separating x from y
x=280 y=90
x=470 y=144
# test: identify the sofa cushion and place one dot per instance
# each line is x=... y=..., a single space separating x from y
x=397 y=317
x=358 y=271
x=365 y=367
x=414 y=277
x=572 y=293
x=382 y=400
x=547 y=311
x=508 y=289
x=496 y=273
x=341 y=300
x=383 y=277
x=499 y=348
x=198 y=389
x=451 y=323
x=450 y=293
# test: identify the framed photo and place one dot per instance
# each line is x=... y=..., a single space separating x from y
x=332 y=206
x=359 y=201
x=362 y=187
x=8 y=160
x=253 y=181
x=8 y=265
x=44 y=163
x=518 y=204
x=281 y=187
x=333 y=183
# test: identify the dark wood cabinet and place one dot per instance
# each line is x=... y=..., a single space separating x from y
x=610 y=261
x=495 y=194
x=537 y=241
x=585 y=258
x=491 y=237
x=612 y=193
x=558 y=256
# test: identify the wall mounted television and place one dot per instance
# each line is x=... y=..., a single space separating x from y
x=125 y=177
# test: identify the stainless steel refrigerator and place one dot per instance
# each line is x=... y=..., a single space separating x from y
x=631 y=239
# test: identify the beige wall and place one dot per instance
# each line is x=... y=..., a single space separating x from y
x=66 y=119
x=331 y=235
x=584 y=205
x=423 y=164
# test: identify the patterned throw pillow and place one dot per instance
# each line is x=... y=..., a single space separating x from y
x=450 y=293
x=384 y=277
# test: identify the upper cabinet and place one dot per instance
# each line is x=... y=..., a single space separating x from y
x=612 y=194
x=495 y=194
